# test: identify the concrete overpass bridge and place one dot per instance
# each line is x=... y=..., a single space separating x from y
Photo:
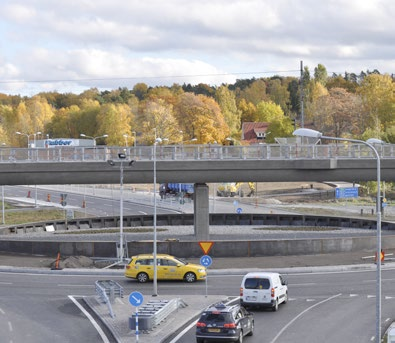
x=198 y=164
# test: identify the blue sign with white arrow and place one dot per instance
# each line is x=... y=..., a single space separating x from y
x=136 y=299
x=206 y=261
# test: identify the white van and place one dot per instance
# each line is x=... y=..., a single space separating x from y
x=263 y=289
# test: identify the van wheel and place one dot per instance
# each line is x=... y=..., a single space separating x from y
x=240 y=340
x=286 y=298
x=142 y=277
x=275 y=305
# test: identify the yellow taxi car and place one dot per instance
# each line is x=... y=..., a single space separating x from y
x=141 y=267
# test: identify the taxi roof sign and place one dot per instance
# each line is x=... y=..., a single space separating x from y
x=206 y=246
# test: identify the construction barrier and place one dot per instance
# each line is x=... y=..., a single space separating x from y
x=382 y=256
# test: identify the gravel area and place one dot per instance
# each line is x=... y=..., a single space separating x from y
x=186 y=233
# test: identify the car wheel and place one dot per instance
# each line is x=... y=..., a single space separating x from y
x=286 y=298
x=240 y=340
x=275 y=305
x=252 y=330
x=142 y=277
x=190 y=277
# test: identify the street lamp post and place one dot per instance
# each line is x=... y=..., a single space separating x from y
x=316 y=134
x=135 y=138
x=126 y=139
x=93 y=138
x=122 y=158
x=155 y=281
x=27 y=136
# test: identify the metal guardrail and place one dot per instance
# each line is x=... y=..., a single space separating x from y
x=107 y=291
x=195 y=152
x=154 y=312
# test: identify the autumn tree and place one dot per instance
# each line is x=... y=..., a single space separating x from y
x=114 y=121
x=158 y=116
x=226 y=100
x=377 y=94
x=200 y=117
x=338 y=113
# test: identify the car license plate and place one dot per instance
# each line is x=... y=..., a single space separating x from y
x=251 y=298
x=214 y=330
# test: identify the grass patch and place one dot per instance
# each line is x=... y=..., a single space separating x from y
x=114 y=230
x=32 y=216
x=298 y=228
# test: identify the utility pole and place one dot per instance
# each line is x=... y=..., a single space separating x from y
x=301 y=96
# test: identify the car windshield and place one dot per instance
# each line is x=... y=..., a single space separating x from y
x=180 y=261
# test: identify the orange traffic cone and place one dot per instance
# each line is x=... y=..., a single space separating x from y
x=57 y=263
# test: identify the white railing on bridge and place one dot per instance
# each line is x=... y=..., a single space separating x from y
x=195 y=152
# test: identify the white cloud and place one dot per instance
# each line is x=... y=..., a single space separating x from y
x=152 y=41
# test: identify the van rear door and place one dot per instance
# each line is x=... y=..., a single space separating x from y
x=257 y=290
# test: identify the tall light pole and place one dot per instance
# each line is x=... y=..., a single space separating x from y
x=25 y=134
x=34 y=138
x=93 y=138
x=122 y=158
x=135 y=138
x=126 y=139
x=316 y=134
x=155 y=281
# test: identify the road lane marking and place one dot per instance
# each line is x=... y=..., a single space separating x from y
x=71 y=285
x=91 y=319
x=5 y=283
x=301 y=314
x=10 y=327
x=1 y=311
x=142 y=212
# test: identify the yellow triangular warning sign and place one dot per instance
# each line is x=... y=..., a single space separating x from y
x=206 y=246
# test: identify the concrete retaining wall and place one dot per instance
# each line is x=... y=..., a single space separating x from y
x=189 y=249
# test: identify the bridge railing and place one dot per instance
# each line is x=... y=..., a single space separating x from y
x=195 y=152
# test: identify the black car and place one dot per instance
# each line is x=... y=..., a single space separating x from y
x=222 y=323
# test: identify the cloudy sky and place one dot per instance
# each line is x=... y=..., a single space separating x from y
x=73 y=45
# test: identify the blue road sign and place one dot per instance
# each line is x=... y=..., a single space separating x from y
x=347 y=192
x=206 y=261
x=239 y=210
x=136 y=299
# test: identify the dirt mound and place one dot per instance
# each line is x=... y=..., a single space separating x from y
x=75 y=262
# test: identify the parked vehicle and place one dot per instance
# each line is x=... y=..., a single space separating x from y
x=231 y=189
x=221 y=323
x=185 y=190
x=141 y=267
x=260 y=289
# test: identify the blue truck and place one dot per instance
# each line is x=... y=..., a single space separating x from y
x=184 y=190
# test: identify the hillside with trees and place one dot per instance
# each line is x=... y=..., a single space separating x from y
x=357 y=106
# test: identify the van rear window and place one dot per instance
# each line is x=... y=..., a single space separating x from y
x=256 y=283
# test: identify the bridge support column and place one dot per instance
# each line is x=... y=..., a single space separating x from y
x=201 y=211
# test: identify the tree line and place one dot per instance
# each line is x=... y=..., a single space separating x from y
x=350 y=106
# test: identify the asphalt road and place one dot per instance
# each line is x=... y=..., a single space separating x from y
x=323 y=307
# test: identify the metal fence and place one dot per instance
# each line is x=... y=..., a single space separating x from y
x=195 y=152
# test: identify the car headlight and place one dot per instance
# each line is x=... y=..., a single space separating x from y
x=202 y=270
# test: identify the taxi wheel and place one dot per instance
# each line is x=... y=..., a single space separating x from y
x=190 y=277
x=142 y=277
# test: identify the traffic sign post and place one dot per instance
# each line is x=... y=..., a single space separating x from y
x=136 y=299
x=206 y=261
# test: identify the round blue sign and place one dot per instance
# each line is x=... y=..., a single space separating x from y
x=136 y=299
x=239 y=210
x=206 y=261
